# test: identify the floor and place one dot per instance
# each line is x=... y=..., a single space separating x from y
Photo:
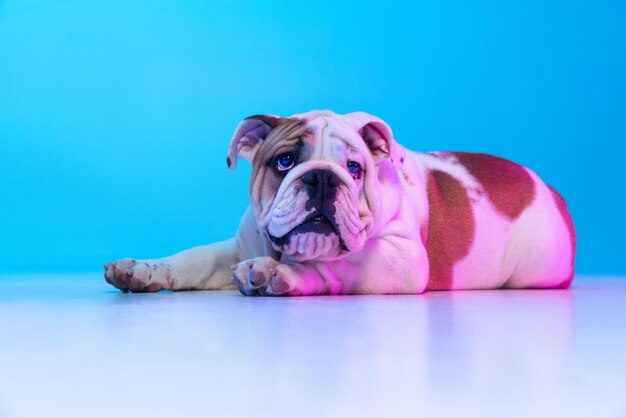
x=71 y=346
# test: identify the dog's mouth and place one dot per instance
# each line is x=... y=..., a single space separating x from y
x=317 y=223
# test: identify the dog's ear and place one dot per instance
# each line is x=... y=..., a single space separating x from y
x=248 y=135
x=378 y=137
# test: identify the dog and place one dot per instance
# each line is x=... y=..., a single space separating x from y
x=337 y=206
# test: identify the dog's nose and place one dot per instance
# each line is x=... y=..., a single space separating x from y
x=320 y=178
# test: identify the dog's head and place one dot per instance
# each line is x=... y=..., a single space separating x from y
x=315 y=180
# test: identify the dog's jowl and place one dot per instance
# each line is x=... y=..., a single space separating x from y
x=337 y=206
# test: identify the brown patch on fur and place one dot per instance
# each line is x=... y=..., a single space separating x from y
x=567 y=218
x=509 y=187
x=271 y=121
x=284 y=137
x=285 y=133
x=450 y=229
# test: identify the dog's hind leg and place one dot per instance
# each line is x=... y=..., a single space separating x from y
x=546 y=241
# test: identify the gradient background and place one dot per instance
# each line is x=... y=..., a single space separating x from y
x=115 y=116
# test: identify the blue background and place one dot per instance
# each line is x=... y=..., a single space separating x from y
x=115 y=116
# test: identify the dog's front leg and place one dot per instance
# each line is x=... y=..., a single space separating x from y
x=200 y=268
x=392 y=265
x=267 y=276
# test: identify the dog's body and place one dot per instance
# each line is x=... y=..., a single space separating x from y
x=337 y=206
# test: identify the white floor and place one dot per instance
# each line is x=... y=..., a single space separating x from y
x=70 y=346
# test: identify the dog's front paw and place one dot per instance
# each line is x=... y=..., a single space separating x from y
x=252 y=276
x=138 y=276
x=264 y=276
x=283 y=283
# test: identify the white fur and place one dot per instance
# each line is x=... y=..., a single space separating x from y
x=387 y=253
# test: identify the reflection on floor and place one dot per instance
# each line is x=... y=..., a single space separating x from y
x=73 y=347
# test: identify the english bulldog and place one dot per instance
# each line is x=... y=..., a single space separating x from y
x=337 y=206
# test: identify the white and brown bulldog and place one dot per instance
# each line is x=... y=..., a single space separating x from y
x=339 y=207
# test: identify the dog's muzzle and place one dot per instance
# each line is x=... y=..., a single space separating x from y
x=321 y=187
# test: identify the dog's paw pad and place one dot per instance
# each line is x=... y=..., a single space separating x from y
x=281 y=282
x=252 y=275
x=258 y=275
x=279 y=285
x=128 y=274
x=240 y=275
x=119 y=273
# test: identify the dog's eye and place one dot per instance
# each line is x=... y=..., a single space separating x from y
x=285 y=161
x=355 y=169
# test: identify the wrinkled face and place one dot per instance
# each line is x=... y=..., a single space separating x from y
x=308 y=184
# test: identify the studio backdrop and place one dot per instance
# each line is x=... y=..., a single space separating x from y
x=115 y=116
